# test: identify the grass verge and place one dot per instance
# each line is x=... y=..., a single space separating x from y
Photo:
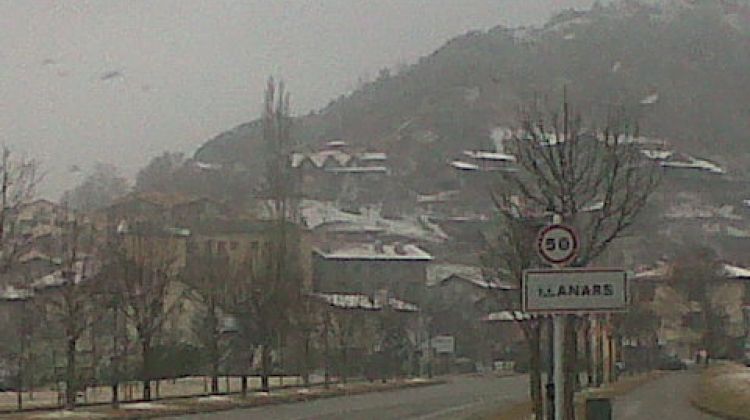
x=523 y=411
x=185 y=406
x=724 y=391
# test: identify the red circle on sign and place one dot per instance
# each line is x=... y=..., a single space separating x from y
x=547 y=234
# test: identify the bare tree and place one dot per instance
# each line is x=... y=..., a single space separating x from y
x=509 y=251
x=143 y=266
x=99 y=189
x=19 y=178
x=207 y=277
x=598 y=180
x=68 y=302
x=274 y=287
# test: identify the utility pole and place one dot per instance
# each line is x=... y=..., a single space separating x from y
x=550 y=369
x=558 y=347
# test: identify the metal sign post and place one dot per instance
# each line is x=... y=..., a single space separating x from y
x=558 y=245
x=560 y=291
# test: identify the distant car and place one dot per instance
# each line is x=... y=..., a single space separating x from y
x=746 y=361
x=671 y=362
x=621 y=368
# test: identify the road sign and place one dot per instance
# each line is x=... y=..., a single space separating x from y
x=574 y=290
x=443 y=344
x=557 y=244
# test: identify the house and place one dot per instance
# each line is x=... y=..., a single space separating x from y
x=396 y=269
x=681 y=320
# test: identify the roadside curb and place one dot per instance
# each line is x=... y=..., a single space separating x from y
x=701 y=405
x=698 y=406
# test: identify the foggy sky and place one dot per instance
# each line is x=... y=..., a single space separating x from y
x=122 y=81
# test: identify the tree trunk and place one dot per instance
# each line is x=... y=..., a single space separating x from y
x=534 y=341
x=214 y=382
x=265 y=362
x=587 y=330
x=115 y=396
x=244 y=385
x=326 y=355
x=145 y=374
x=147 y=389
x=213 y=345
x=306 y=366
x=570 y=356
x=71 y=387
x=344 y=371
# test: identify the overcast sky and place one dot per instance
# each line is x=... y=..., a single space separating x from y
x=121 y=81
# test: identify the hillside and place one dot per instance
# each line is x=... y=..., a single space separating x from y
x=681 y=71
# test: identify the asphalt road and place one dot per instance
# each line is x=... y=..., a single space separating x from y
x=664 y=398
x=462 y=396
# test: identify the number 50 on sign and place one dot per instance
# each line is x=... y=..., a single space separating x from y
x=557 y=244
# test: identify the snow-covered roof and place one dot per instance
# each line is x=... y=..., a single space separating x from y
x=317 y=213
x=595 y=206
x=207 y=166
x=403 y=306
x=657 y=154
x=493 y=156
x=358 y=170
x=650 y=99
x=347 y=300
x=374 y=251
x=320 y=158
x=336 y=143
x=365 y=302
x=57 y=277
x=350 y=227
x=735 y=272
x=297 y=159
x=505 y=316
x=439 y=197
x=694 y=163
x=11 y=293
x=464 y=166
x=369 y=156
x=661 y=271
x=439 y=273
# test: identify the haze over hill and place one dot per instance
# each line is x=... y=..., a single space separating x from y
x=119 y=82
x=678 y=69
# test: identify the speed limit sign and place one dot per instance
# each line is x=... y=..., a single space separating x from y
x=557 y=244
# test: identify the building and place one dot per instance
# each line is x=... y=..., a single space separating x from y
x=374 y=268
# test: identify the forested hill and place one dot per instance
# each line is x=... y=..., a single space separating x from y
x=681 y=70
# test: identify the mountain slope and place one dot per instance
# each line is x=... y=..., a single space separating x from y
x=680 y=71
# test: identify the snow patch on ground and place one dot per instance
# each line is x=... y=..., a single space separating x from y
x=417 y=380
x=214 y=398
x=303 y=391
x=67 y=414
x=262 y=394
x=144 y=406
